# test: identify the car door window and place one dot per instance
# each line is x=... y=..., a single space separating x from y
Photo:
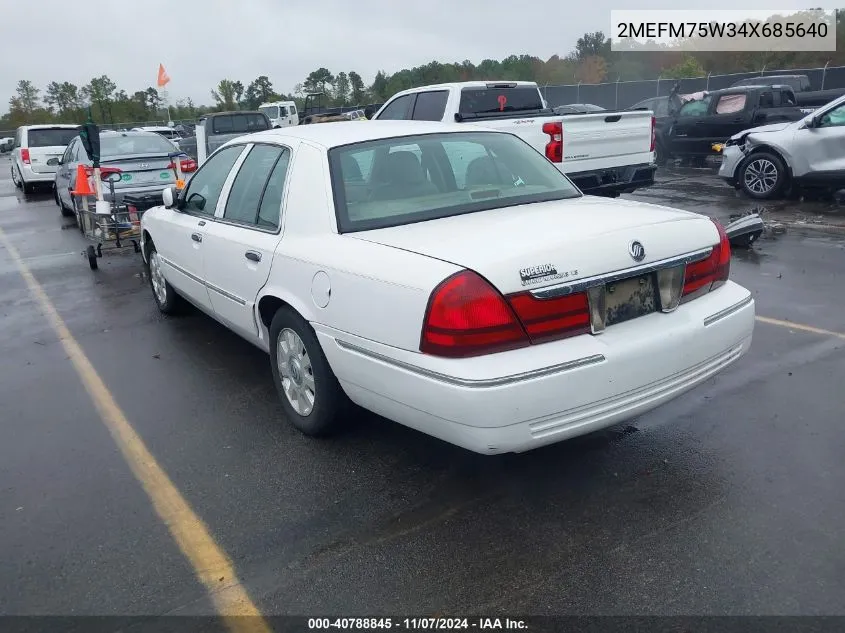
x=695 y=108
x=245 y=196
x=270 y=208
x=834 y=118
x=430 y=106
x=205 y=186
x=397 y=109
x=69 y=151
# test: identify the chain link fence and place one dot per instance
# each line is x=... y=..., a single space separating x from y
x=623 y=94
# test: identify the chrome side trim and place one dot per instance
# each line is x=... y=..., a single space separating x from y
x=228 y=295
x=483 y=383
x=219 y=291
x=728 y=311
x=581 y=285
x=181 y=270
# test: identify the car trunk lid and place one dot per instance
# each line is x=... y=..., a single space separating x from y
x=142 y=170
x=544 y=244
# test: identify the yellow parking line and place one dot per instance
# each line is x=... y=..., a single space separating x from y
x=211 y=564
x=800 y=326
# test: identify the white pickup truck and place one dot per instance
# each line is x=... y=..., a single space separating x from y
x=603 y=153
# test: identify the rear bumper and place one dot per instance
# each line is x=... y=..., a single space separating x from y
x=121 y=193
x=615 y=180
x=520 y=400
x=29 y=176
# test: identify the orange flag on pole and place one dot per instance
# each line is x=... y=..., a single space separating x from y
x=163 y=77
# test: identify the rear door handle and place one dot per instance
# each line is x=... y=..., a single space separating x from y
x=201 y=223
x=196 y=237
x=253 y=256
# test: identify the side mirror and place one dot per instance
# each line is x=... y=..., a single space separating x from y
x=168 y=196
x=54 y=161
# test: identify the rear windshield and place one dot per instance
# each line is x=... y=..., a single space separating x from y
x=239 y=124
x=506 y=99
x=51 y=137
x=125 y=144
x=400 y=180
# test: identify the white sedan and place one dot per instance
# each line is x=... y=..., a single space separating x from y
x=450 y=280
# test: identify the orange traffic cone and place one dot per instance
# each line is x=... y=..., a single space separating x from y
x=83 y=187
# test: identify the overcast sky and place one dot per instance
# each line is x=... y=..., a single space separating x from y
x=202 y=41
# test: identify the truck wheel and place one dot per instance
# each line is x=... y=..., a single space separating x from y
x=762 y=175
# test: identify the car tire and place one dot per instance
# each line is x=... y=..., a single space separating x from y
x=68 y=213
x=16 y=179
x=167 y=299
x=312 y=398
x=762 y=175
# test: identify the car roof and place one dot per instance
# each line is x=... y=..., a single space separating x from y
x=339 y=133
x=50 y=126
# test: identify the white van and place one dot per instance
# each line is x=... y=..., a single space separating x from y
x=34 y=146
x=280 y=113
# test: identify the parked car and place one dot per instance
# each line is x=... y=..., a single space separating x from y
x=143 y=159
x=713 y=117
x=810 y=153
x=6 y=144
x=448 y=278
x=578 y=108
x=169 y=133
x=801 y=86
x=355 y=115
x=221 y=127
x=280 y=113
x=34 y=146
x=603 y=153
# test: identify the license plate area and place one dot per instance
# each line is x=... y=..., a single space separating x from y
x=630 y=299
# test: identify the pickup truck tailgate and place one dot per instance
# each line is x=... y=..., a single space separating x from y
x=590 y=141
x=611 y=139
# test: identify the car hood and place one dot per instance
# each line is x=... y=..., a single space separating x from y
x=772 y=127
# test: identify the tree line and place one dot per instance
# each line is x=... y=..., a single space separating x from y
x=591 y=61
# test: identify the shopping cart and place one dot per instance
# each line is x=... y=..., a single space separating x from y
x=112 y=226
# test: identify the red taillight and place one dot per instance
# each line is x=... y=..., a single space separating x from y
x=105 y=171
x=466 y=316
x=187 y=165
x=554 y=148
x=25 y=156
x=708 y=274
x=549 y=319
x=653 y=134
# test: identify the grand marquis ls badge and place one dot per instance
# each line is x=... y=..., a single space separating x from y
x=637 y=251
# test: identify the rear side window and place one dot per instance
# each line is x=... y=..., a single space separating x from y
x=245 y=197
x=50 y=137
x=728 y=104
x=500 y=99
x=430 y=106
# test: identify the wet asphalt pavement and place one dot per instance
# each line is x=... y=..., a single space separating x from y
x=730 y=500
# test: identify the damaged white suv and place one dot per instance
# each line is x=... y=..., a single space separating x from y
x=764 y=161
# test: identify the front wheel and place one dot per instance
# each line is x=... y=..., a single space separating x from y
x=311 y=395
x=166 y=298
x=762 y=176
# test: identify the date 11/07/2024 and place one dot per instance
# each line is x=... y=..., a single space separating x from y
x=416 y=623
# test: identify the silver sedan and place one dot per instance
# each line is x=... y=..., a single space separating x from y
x=144 y=160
